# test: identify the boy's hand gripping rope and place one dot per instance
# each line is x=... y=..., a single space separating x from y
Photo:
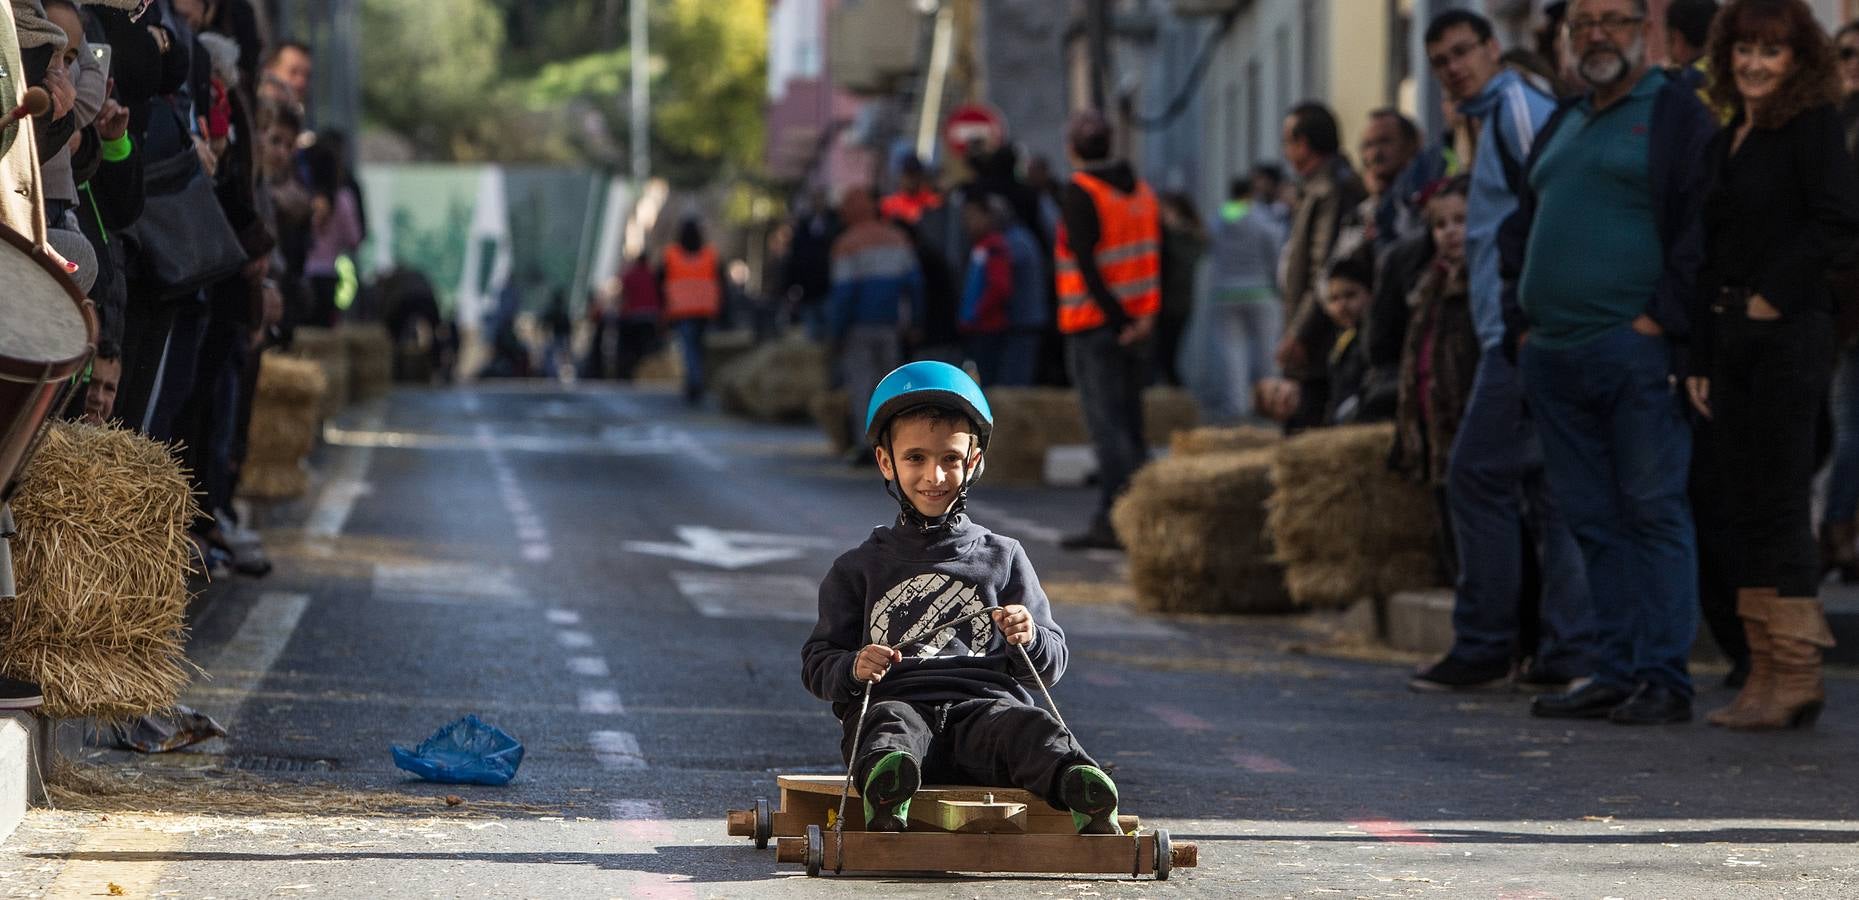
x=858 y=730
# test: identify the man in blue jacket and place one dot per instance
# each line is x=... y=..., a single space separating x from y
x=1495 y=489
x=1600 y=261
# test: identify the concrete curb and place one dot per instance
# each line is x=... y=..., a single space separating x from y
x=15 y=768
x=1421 y=622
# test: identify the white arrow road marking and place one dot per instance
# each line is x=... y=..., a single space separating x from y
x=730 y=549
x=617 y=749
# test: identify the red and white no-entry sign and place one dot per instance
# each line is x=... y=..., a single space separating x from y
x=974 y=122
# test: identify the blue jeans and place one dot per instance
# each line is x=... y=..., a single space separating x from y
x=1843 y=477
x=1618 y=451
x=691 y=345
x=1236 y=352
x=1495 y=489
x=988 y=352
x=1020 y=358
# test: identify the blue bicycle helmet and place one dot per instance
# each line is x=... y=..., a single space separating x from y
x=919 y=384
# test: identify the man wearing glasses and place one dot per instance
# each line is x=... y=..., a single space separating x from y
x=1495 y=489
x=1617 y=182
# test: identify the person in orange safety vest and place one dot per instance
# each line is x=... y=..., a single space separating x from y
x=915 y=194
x=1109 y=268
x=694 y=288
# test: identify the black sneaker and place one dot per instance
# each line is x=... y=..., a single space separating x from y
x=1541 y=679
x=1452 y=673
x=16 y=694
x=890 y=784
x=1092 y=798
x=1652 y=704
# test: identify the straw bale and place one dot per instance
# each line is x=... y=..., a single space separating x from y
x=663 y=367
x=1410 y=570
x=1344 y=526
x=270 y=481
x=102 y=560
x=775 y=382
x=724 y=347
x=286 y=421
x=284 y=379
x=1030 y=420
x=1194 y=527
x=1215 y=440
x=831 y=412
x=326 y=348
x=370 y=352
x=1328 y=585
x=1335 y=497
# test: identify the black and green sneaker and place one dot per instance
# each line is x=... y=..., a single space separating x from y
x=1092 y=798
x=888 y=788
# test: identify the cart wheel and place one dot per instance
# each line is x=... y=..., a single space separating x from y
x=764 y=825
x=816 y=851
x=1164 y=858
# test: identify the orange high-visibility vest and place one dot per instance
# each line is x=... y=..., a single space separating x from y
x=1128 y=253
x=690 y=284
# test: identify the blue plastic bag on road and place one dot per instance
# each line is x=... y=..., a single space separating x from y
x=468 y=751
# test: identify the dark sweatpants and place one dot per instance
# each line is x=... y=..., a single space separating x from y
x=993 y=743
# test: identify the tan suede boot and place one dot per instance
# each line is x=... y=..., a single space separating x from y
x=1798 y=634
x=1752 y=606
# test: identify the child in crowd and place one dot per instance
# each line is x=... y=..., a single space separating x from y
x=949 y=699
x=1441 y=354
x=1348 y=285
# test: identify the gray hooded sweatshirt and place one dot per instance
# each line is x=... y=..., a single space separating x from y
x=897 y=585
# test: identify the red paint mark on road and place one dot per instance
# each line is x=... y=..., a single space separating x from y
x=1260 y=764
x=641 y=821
x=1392 y=832
x=1099 y=679
x=1180 y=719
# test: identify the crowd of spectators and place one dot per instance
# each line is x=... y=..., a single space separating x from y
x=1604 y=308
x=175 y=172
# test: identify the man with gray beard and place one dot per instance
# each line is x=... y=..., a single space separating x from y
x=1599 y=264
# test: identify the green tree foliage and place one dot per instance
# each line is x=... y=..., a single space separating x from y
x=428 y=69
x=564 y=95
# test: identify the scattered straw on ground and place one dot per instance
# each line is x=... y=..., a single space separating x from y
x=1089 y=593
x=1239 y=663
x=102 y=559
x=110 y=789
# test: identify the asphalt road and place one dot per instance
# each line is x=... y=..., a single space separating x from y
x=625 y=585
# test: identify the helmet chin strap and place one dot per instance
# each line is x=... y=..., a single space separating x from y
x=927 y=524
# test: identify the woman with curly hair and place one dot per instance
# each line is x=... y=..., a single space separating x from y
x=1784 y=208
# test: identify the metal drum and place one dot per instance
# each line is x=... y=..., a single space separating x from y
x=48 y=331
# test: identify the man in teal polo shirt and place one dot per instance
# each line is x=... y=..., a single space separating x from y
x=1601 y=256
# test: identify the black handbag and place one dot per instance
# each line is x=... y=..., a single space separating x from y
x=182 y=242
